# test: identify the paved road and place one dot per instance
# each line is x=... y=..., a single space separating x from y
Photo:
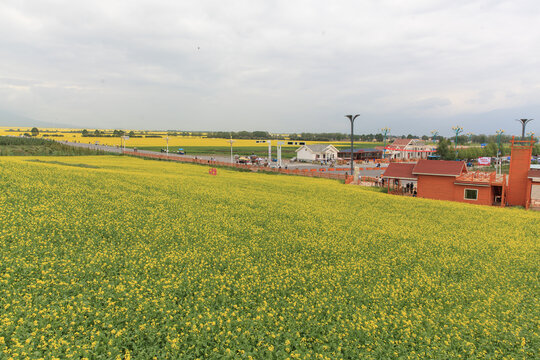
x=286 y=163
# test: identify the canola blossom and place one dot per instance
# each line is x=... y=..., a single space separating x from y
x=174 y=141
x=113 y=257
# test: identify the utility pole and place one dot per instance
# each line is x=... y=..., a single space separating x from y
x=124 y=138
x=457 y=130
x=385 y=132
x=231 y=142
x=524 y=123
x=352 y=118
x=167 y=138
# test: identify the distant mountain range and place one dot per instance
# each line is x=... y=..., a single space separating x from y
x=16 y=121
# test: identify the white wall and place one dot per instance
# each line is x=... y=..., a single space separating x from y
x=331 y=154
x=305 y=155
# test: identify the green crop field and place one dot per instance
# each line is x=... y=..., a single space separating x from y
x=287 y=152
x=28 y=146
x=111 y=257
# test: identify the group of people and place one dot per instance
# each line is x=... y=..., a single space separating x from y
x=409 y=189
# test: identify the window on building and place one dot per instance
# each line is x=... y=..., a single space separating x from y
x=471 y=194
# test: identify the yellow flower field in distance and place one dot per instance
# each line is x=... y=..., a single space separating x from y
x=174 y=141
x=112 y=257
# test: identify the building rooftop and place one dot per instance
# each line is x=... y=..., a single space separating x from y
x=440 y=167
x=400 y=171
x=316 y=147
x=534 y=173
x=401 y=142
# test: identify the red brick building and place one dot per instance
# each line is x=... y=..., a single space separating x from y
x=533 y=189
x=450 y=180
x=436 y=178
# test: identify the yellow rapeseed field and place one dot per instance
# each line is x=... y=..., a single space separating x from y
x=140 y=142
x=113 y=257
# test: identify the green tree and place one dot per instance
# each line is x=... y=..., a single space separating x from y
x=34 y=131
x=261 y=135
x=85 y=132
x=444 y=151
x=491 y=149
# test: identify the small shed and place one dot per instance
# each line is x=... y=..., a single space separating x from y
x=396 y=173
x=317 y=152
x=436 y=178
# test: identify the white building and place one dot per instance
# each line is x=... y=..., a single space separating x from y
x=408 y=149
x=317 y=152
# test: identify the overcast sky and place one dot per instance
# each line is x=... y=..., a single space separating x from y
x=282 y=66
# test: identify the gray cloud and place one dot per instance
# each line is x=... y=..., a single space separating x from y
x=276 y=65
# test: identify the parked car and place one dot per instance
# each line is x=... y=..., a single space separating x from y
x=244 y=160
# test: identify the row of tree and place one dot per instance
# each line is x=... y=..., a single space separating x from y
x=115 y=133
x=265 y=135
x=256 y=135
x=446 y=151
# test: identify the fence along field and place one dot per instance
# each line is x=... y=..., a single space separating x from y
x=130 y=258
x=194 y=145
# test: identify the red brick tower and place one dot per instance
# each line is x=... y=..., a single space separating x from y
x=520 y=163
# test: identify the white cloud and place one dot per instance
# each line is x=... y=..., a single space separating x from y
x=275 y=65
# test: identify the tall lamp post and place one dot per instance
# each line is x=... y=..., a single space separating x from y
x=434 y=134
x=385 y=132
x=499 y=134
x=458 y=130
x=469 y=135
x=352 y=118
x=524 y=123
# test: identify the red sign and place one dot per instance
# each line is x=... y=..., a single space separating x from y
x=212 y=171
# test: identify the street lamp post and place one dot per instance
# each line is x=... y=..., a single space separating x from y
x=167 y=138
x=499 y=133
x=469 y=135
x=434 y=134
x=498 y=167
x=352 y=118
x=385 y=132
x=457 y=130
x=524 y=123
